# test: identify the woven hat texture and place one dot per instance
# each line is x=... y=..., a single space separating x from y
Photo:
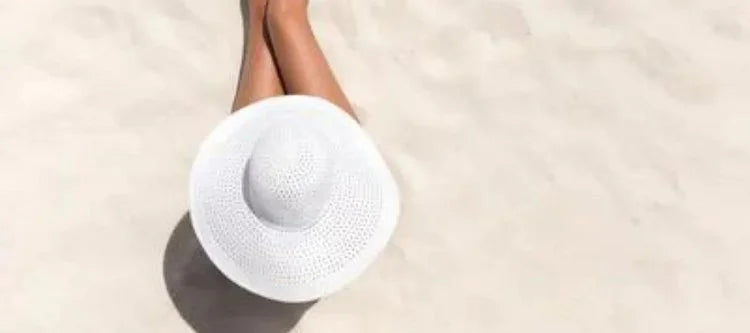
x=291 y=199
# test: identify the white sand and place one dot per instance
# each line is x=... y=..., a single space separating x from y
x=566 y=165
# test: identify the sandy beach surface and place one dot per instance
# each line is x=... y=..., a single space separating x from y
x=565 y=165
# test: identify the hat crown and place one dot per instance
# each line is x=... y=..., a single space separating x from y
x=288 y=175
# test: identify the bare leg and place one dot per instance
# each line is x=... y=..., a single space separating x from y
x=259 y=78
x=301 y=62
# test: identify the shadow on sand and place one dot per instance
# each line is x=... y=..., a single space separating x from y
x=209 y=302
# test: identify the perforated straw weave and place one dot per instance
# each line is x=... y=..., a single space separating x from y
x=290 y=198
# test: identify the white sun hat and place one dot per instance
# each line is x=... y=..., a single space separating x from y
x=290 y=198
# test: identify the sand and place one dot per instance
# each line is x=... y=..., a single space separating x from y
x=565 y=165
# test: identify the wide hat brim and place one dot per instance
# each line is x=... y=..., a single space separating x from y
x=295 y=265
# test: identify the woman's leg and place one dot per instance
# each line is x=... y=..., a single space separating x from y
x=259 y=78
x=302 y=65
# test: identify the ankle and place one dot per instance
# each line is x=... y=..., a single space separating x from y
x=255 y=9
x=280 y=13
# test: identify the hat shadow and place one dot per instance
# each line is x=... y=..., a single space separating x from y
x=209 y=302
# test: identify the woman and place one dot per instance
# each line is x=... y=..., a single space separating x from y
x=289 y=197
x=283 y=57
